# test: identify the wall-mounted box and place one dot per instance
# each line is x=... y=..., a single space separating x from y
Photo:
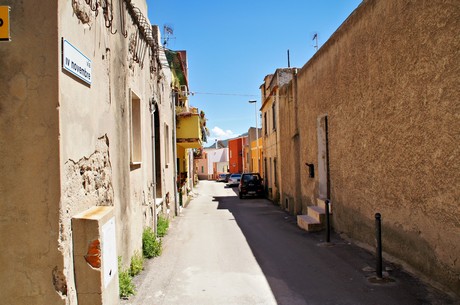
x=95 y=256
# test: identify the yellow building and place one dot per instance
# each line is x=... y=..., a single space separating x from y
x=190 y=129
x=270 y=130
x=256 y=156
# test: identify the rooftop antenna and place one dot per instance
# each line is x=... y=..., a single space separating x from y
x=315 y=38
x=289 y=59
x=168 y=31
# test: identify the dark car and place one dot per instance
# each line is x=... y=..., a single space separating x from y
x=251 y=185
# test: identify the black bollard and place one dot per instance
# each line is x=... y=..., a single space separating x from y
x=378 y=235
x=328 y=223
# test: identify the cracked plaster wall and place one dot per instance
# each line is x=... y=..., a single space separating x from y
x=87 y=183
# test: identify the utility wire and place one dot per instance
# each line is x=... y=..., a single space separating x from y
x=214 y=93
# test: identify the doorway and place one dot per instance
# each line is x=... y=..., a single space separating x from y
x=323 y=157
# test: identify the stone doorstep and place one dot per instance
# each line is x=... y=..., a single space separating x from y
x=317 y=213
x=309 y=223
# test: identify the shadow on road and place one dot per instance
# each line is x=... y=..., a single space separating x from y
x=300 y=268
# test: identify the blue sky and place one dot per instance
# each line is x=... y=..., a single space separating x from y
x=232 y=45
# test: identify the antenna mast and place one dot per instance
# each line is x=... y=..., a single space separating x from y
x=315 y=38
x=168 y=31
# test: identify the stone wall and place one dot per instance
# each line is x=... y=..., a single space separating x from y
x=388 y=82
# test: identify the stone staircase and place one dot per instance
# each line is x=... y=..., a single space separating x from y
x=315 y=220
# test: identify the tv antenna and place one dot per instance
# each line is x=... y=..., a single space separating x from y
x=315 y=38
x=168 y=31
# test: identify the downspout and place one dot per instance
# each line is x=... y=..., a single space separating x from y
x=176 y=207
x=154 y=176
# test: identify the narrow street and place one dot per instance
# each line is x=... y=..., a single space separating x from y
x=223 y=250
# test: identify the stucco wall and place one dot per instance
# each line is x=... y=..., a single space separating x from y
x=289 y=158
x=32 y=266
x=388 y=81
x=65 y=145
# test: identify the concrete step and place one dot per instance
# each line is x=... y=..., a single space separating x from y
x=317 y=213
x=309 y=223
x=321 y=202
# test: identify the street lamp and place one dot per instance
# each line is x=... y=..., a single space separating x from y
x=257 y=133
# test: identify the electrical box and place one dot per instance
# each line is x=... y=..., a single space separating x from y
x=95 y=256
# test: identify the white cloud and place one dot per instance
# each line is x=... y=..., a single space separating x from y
x=221 y=134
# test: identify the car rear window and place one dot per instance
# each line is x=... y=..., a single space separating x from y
x=251 y=178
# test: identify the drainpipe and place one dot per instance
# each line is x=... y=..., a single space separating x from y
x=176 y=207
x=154 y=176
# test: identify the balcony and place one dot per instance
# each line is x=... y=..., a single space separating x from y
x=188 y=130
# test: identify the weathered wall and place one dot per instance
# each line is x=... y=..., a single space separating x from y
x=388 y=80
x=32 y=266
x=65 y=145
x=102 y=111
x=289 y=158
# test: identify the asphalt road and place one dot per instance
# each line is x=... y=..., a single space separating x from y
x=223 y=250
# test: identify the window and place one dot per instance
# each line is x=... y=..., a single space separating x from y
x=265 y=123
x=274 y=116
x=135 y=132
x=166 y=135
x=202 y=169
x=275 y=177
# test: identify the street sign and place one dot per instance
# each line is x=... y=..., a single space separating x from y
x=75 y=62
x=5 y=23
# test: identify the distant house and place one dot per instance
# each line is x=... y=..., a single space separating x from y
x=255 y=150
x=211 y=163
x=237 y=155
x=270 y=97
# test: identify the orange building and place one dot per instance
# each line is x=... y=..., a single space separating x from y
x=237 y=154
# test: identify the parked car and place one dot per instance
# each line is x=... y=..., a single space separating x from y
x=222 y=178
x=234 y=179
x=250 y=185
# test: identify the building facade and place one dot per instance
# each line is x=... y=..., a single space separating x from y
x=190 y=126
x=373 y=123
x=254 y=149
x=237 y=154
x=270 y=97
x=86 y=136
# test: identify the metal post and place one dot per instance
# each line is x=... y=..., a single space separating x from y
x=257 y=136
x=328 y=222
x=378 y=235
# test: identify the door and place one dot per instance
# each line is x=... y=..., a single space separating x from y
x=323 y=158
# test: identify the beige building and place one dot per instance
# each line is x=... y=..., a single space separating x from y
x=375 y=111
x=270 y=97
x=86 y=147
